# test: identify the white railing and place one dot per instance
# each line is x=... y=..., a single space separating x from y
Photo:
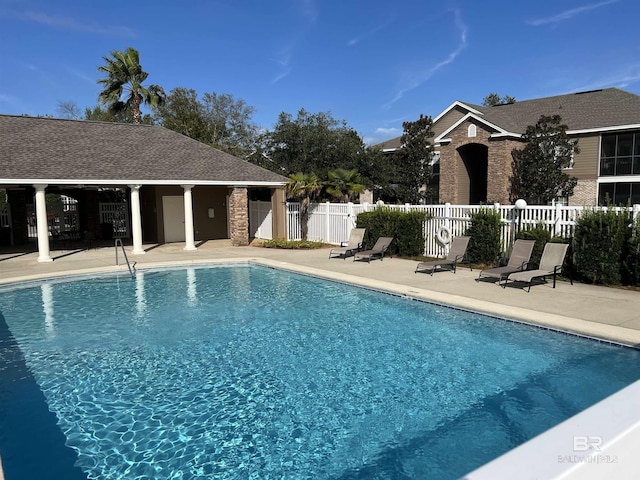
x=332 y=222
x=62 y=217
x=260 y=220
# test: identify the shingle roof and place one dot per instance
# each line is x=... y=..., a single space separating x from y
x=44 y=148
x=597 y=109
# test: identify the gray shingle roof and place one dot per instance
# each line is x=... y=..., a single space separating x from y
x=597 y=109
x=44 y=148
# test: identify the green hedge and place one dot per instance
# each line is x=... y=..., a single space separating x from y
x=405 y=227
x=484 y=244
x=605 y=250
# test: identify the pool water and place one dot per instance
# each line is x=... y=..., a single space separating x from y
x=240 y=372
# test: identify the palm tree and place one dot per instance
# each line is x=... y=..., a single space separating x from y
x=303 y=187
x=344 y=184
x=124 y=78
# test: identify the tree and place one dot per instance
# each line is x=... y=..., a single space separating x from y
x=123 y=88
x=218 y=119
x=344 y=184
x=538 y=175
x=69 y=110
x=311 y=142
x=303 y=187
x=99 y=114
x=494 y=99
x=412 y=160
x=230 y=122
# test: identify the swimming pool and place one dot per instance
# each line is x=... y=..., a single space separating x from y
x=250 y=372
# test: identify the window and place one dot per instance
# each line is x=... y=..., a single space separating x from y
x=619 y=193
x=471 y=131
x=620 y=154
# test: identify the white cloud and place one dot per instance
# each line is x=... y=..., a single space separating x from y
x=67 y=23
x=370 y=33
x=568 y=14
x=420 y=77
x=388 y=131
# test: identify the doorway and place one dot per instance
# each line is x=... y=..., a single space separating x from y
x=173 y=218
x=475 y=160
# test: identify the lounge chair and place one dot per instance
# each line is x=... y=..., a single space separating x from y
x=350 y=247
x=456 y=254
x=550 y=264
x=378 y=250
x=518 y=261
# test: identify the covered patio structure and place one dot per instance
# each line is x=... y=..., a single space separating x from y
x=175 y=189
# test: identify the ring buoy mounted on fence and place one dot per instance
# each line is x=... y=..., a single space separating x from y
x=443 y=235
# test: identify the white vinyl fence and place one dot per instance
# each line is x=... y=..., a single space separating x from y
x=332 y=222
x=260 y=220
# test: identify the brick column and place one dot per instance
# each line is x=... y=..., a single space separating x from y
x=239 y=216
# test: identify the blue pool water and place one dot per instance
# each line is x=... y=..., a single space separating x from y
x=246 y=372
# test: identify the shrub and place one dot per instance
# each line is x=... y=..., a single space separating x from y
x=291 y=244
x=541 y=235
x=484 y=245
x=601 y=239
x=631 y=259
x=407 y=228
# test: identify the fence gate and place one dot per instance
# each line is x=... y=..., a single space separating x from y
x=117 y=214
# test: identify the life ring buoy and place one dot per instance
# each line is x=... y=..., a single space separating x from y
x=443 y=235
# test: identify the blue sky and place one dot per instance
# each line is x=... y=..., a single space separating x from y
x=373 y=63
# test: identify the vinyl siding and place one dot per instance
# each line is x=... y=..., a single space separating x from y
x=448 y=120
x=586 y=163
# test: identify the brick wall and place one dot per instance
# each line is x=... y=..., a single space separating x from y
x=239 y=216
x=499 y=164
x=585 y=193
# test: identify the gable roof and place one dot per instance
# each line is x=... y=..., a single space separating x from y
x=592 y=111
x=72 y=151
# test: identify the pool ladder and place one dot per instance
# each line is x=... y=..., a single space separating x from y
x=132 y=268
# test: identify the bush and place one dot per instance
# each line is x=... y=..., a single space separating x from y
x=291 y=244
x=602 y=237
x=631 y=260
x=407 y=229
x=541 y=235
x=484 y=245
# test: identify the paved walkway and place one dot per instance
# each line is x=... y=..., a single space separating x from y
x=600 y=312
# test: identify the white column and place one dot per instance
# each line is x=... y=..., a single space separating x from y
x=188 y=218
x=42 y=225
x=136 y=220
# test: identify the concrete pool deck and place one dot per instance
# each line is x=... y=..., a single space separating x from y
x=599 y=312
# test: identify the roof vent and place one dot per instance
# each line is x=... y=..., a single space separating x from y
x=588 y=91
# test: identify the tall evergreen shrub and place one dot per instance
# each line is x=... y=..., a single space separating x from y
x=484 y=244
x=601 y=239
x=407 y=229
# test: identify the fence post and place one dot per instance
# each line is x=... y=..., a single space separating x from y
x=326 y=238
x=557 y=212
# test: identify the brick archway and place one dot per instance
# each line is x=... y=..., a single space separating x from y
x=474 y=158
